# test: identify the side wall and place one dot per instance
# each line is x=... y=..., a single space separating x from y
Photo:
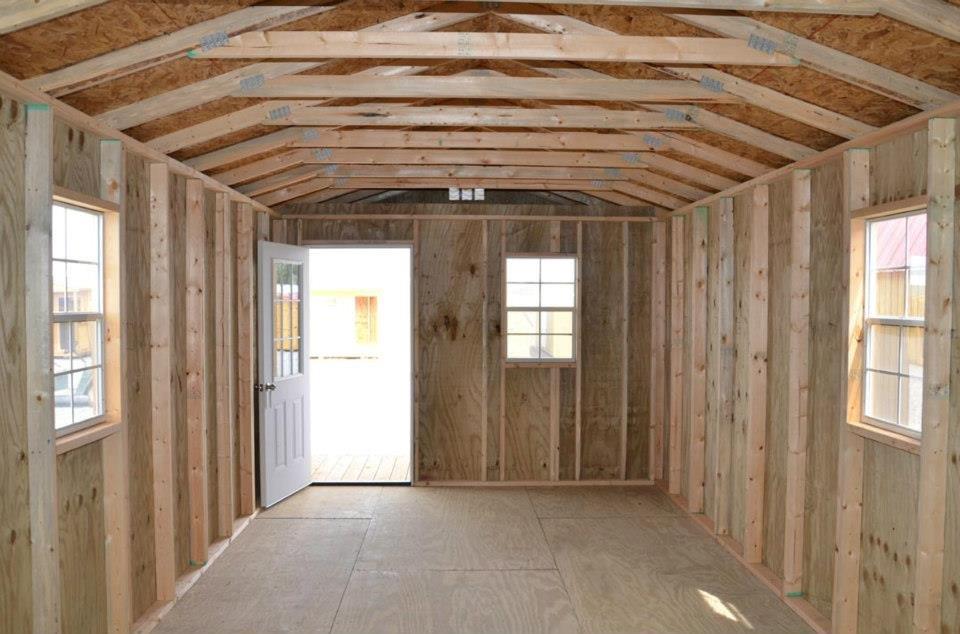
x=782 y=516
x=110 y=544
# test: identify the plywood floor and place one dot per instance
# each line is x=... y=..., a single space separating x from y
x=361 y=469
x=356 y=560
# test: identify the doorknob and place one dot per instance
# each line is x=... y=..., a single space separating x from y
x=264 y=387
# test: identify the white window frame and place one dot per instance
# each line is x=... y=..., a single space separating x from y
x=575 y=310
x=868 y=321
x=79 y=317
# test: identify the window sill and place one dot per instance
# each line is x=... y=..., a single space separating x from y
x=539 y=364
x=87 y=435
x=883 y=436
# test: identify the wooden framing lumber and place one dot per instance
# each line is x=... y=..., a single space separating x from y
x=839 y=7
x=624 y=347
x=516 y=158
x=658 y=366
x=198 y=93
x=937 y=17
x=42 y=459
x=493 y=87
x=784 y=105
x=522 y=46
x=483 y=116
x=697 y=360
x=846 y=574
x=195 y=361
x=829 y=61
x=797 y=382
x=723 y=359
x=756 y=387
x=943 y=174
x=19 y=14
x=246 y=355
x=115 y=447
x=225 y=370
x=161 y=377
x=675 y=392
x=139 y=57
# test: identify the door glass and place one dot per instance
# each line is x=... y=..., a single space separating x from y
x=287 y=279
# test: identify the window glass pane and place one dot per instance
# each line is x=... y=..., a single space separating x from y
x=296 y=356
x=917 y=241
x=83 y=235
x=522 y=347
x=558 y=270
x=61 y=345
x=523 y=270
x=558 y=295
x=62 y=401
x=522 y=322
x=557 y=346
x=911 y=359
x=61 y=299
x=83 y=287
x=881 y=396
x=85 y=344
x=911 y=402
x=887 y=293
x=523 y=295
x=888 y=243
x=556 y=322
x=884 y=348
x=59 y=233
x=87 y=401
x=916 y=295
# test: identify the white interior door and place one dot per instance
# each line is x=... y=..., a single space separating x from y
x=284 y=385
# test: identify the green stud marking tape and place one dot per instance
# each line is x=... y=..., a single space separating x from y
x=192 y=54
x=794 y=595
x=38 y=106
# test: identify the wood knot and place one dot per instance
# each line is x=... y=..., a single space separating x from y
x=13 y=536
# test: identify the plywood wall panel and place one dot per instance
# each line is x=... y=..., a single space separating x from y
x=83 y=584
x=76 y=159
x=527 y=439
x=778 y=355
x=601 y=350
x=891 y=479
x=827 y=371
x=450 y=294
x=357 y=230
x=178 y=273
x=899 y=168
x=568 y=423
x=15 y=571
x=638 y=350
x=210 y=360
x=138 y=406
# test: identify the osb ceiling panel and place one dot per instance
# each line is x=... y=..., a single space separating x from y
x=881 y=40
x=78 y=36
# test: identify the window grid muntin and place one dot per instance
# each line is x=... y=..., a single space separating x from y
x=901 y=323
x=63 y=317
x=541 y=335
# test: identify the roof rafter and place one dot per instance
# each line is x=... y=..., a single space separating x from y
x=19 y=14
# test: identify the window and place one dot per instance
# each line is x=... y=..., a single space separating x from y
x=541 y=298
x=896 y=277
x=287 y=280
x=77 y=304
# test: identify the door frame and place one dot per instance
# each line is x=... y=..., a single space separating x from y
x=409 y=245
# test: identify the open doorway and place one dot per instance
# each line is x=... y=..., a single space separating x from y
x=360 y=364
